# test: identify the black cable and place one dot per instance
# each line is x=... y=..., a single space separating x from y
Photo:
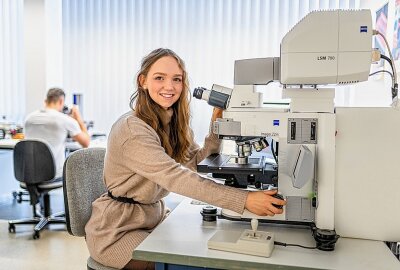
x=395 y=90
x=306 y=247
x=273 y=151
x=292 y=245
x=388 y=60
x=394 y=84
x=269 y=82
x=382 y=71
x=391 y=65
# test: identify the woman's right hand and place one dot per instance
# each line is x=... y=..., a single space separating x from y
x=217 y=113
x=260 y=203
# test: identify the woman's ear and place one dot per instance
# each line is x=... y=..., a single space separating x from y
x=142 y=80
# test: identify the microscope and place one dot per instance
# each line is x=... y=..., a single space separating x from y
x=315 y=147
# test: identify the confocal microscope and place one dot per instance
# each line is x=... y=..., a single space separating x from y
x=335 y=167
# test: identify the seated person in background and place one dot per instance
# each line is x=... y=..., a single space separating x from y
x=145 y=150
x=53 y=126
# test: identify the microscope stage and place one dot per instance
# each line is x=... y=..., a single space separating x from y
x=227 y=162
x=258 y=171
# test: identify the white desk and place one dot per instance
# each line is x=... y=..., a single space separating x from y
x=8 y=143
x=182 y=240
x=69 y=146
x=101 y=141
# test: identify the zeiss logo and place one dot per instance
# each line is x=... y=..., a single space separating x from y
x=276 y=123
x=363 y=29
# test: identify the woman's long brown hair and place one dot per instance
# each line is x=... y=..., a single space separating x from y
x=178 y=142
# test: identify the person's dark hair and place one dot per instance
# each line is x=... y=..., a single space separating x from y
x=54 y=94
x=180 y=138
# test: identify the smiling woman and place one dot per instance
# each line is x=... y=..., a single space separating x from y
x=150 y=153
x=164 y=81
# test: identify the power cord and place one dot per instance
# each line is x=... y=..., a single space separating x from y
x=326 y=244
x=392 y=65
x=376 y=32
x=394 y=81
x=388 y=60
x=292 y=245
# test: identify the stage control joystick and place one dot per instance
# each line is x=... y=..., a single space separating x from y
x=254 y=226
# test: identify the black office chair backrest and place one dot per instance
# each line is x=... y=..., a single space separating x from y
x=83 y=183
x=33 y=162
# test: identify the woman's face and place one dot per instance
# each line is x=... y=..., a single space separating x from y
x=164 y=81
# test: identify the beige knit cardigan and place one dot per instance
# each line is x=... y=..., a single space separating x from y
x=137 y=166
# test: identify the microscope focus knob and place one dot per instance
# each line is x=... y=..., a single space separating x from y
x=314 y=201
x=280 y=197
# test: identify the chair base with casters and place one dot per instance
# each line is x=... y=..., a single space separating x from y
x=44 y=217
x=18 y=196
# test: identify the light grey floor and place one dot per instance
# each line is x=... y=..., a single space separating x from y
x=55 y=249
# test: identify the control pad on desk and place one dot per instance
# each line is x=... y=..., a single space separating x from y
x=246 y=242
x=280 y=197
x=258 y=236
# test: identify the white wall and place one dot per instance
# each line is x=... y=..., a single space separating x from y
x=374 y=4
x=12 y=81
x=34 y=54
x=54 y=46
x=42 y=50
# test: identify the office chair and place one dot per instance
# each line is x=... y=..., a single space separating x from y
x=34 y=168
x=83 y=183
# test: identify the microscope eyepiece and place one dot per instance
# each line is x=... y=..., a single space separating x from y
x=213 y=97
x=198 y=92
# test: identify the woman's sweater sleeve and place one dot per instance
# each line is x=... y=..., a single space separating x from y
x=212 y=145
x=143 y=153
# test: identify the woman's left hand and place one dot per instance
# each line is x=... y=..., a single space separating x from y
x=217 y=113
